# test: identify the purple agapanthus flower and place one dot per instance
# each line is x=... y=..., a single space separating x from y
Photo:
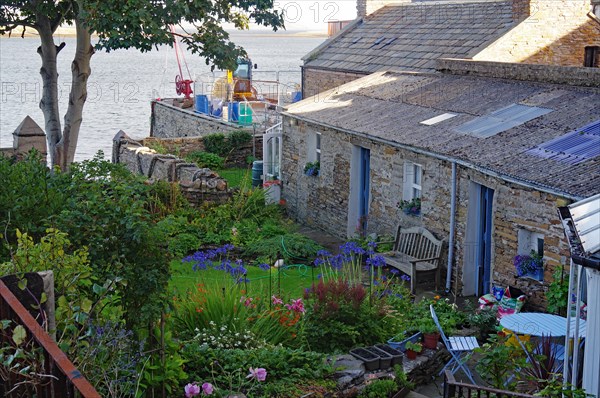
x=264 y=266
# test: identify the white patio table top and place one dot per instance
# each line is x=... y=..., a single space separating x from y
x=538 y=324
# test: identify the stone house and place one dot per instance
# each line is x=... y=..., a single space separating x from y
x=491 y=157
x=410 y=36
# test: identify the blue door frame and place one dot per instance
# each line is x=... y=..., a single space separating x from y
x=484 y=244
x=363 y=206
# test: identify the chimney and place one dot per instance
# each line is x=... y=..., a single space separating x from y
x=367 y=7
x=521 y=9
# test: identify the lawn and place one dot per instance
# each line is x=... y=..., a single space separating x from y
x=288 y=282
x=237 y=177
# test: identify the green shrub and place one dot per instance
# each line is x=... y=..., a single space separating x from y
x=215 y=143
x=238 y=138
x=295 y=247
x=379 y=389
x=286 y=368
x=206 y=159
x=340 y=316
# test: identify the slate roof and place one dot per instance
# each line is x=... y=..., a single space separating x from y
x=389 y=106
x=411 y=36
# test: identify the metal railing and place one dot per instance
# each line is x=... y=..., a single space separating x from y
x=64 y=380
x=457 y=389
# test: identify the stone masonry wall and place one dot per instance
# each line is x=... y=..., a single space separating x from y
x=555 y=33
x=197 y=185
x=181 y=147
x=316 y=81
x=169 y=121
x=323 y=202
x=576 y=76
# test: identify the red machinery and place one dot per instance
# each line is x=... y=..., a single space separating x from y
x=182 y=86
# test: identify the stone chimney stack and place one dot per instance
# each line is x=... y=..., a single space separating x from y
x=367 y=7
x=521 y=9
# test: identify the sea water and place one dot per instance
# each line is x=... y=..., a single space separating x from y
x=123 y=83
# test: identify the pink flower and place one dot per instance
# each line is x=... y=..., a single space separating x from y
x=276 y=300
x=259 y=374
x=246 y=300
x=191 y=390
x=207 y=388
x=296 y=306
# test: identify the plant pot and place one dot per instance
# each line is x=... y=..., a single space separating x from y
x=370 y=360
x=401 y=345
x=385 y=359
x=430 y=340
x=396 y=354
x=410 y=354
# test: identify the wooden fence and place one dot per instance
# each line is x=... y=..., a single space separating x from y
x=457 y=389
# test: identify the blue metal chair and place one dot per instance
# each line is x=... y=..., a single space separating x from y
x=459 y=348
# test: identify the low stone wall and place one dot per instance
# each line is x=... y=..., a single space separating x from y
x=576 y=76
x=27 y=136
x=316 y=81
x=183 y=146
x=171 y=121
x=197 y=185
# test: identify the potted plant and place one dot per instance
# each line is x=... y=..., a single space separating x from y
x=312 y=168
x=411 y=207
x=531 y=265
x=412 y=349
x=431 y=334
x=399 y=341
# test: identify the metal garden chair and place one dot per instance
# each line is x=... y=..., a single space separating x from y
x=459 y=347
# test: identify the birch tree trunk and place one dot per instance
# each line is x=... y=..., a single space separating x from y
x=80 y=70
x=49 y=103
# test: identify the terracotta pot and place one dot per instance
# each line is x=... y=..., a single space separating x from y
x=430 y=340
x=410 y=354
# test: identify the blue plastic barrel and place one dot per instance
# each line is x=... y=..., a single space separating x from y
x=202 y=104
x=233 y=111
x=257 y=170
x=296 y=96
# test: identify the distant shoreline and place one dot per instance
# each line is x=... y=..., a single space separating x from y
x=70 y=32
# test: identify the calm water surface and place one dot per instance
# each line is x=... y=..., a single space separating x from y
x=123 y=82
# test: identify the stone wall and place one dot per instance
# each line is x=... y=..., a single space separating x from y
x=170 y=121
x=181 y=147
x=27 y=136
x=316 y=81
x=198 y=185
x=576 y=76
x=555 y=33
x=323 y=202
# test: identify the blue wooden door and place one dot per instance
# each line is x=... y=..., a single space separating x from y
x=363 y=206
x=484 y=238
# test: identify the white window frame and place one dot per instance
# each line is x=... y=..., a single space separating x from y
x=413 y=181
x=318 y=138
x=528 y=241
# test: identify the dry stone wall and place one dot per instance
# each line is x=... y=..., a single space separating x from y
x=316 y=81
x=323 y=202
x=197 y=184
x=183 y=146
x=170 y=121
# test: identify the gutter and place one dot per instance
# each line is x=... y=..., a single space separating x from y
x=450 y=159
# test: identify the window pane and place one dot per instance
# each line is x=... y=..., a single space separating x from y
x=417 y=177
x=318 y=140
x=416 y=193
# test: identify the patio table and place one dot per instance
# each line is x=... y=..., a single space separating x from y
x=538 y=324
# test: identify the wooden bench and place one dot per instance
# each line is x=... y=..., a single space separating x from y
x=415 y=250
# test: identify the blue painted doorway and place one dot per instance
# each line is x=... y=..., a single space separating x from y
x=484 y=240
x=363 y=203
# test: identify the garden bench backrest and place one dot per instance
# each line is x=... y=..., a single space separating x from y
x=418 y=242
